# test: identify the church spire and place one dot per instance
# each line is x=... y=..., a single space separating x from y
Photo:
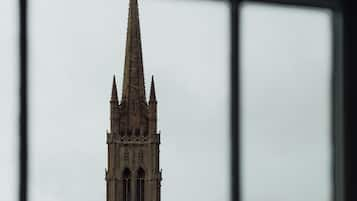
x=133 y=128
x=133 y=82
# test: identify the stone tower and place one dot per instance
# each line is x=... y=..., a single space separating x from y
x=133 y=171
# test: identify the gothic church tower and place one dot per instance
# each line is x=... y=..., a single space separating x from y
x=133 y=171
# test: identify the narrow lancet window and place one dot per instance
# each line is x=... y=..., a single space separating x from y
x=126 y=185
x=140 y=184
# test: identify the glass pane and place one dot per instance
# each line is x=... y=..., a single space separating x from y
x=8 y=100
x=285 y=94
x=76 y=50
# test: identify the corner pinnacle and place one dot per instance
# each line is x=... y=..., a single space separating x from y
x=114 y=90
x=152 y=91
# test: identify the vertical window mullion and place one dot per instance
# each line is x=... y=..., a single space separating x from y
x=23 y=123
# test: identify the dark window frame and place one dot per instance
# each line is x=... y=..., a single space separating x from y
x=23 y=100
x=344 y=97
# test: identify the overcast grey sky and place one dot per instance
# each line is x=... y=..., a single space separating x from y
x=286 y=73
x=76 y=47
x=7 y=101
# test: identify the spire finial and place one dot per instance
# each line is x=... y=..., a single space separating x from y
x=114 y=90
x=152 y=90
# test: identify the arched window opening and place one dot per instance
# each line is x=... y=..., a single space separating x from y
x=126 y=185
x=140 y=184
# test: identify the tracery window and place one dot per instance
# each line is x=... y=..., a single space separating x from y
x=140 y=184
x=126 y=185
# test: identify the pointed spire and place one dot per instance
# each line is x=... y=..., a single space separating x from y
x=114 y=91
x=152 y=91
x=133 y=82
